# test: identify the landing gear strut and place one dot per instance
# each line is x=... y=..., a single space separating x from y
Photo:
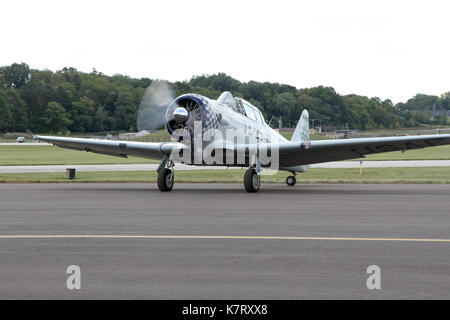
x=166 y=175
x=252 y=180
x=291 y=181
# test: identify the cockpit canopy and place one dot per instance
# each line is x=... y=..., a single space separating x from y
x=227 y=98
x=241 y=106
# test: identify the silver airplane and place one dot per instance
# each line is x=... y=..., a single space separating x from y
x=231 y=132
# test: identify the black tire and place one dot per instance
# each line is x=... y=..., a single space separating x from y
x=291 y=181
x=252 y=181
x=164 y=181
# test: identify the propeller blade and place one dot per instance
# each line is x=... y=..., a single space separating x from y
x=154 y=103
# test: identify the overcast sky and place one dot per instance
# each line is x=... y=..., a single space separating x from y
x=390 y=49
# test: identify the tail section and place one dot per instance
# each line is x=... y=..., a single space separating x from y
x=301 y=133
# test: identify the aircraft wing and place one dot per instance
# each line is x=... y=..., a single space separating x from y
x=114 y=148
x=290 y=153
x=296 y=154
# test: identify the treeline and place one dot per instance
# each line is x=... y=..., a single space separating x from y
x=70 y=100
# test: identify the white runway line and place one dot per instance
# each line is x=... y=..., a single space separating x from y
x=106 y=167
x=152 y=167
x=384 y=164
x=24 y=144
x=209 y=237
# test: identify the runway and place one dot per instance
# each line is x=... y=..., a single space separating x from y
x=214 y=241
x=152 y=167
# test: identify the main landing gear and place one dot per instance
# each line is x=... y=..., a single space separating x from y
x=252 y=177
x=252 y=180
x=165 y=179
x=166 y=175
x=291 y=181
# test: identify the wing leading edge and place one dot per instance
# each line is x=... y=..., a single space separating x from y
x=149 y=150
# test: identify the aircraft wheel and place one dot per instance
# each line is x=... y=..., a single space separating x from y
x=291 y=181
x=252 y=180
x=165 y=180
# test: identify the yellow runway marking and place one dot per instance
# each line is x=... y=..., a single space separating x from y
x=107 y=236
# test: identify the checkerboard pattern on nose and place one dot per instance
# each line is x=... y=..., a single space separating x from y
x=211 y=120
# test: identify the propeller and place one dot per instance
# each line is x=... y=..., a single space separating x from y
x=153 y=106
x=183 y=117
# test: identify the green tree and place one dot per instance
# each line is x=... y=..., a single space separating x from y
x=16 y=75
x=445 y=100
x=6 y=112
x=82 y=113
x=126 y=112
x=422 y=102
x=97 y=102
x=19 y=111
x=100 y=118
x=56 y=118
x=442 y=118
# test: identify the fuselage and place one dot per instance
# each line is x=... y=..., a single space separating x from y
x=232 y=118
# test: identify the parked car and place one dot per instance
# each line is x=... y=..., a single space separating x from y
x=20 y=140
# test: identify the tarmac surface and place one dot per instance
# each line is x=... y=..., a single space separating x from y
x=214 y=241
x=152 y=167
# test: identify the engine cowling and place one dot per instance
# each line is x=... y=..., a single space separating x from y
x=185 y=111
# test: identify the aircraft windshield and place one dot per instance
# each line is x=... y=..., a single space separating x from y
x=241 y=106
x=227 y=98
x=233 y=103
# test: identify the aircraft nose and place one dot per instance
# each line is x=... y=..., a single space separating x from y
x=180 y=115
